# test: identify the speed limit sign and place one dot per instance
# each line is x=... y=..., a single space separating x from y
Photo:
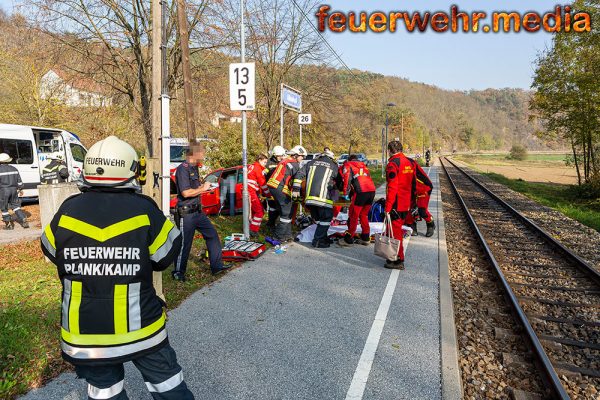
x=241 y=86
x=304 y=119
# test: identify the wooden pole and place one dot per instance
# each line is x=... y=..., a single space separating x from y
x=184 y=38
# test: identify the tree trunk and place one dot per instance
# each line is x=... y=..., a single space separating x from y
x=576 y=162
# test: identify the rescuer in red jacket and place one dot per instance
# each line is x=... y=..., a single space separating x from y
x=357 y=182
x=257 y=183
x=424 y=188
x=401 y=190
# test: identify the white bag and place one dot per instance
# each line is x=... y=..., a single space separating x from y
x=385 y=245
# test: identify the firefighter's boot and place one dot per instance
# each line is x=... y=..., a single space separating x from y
x=413 y=226
x=364 y=239
x=346 y=241
x=430 y=228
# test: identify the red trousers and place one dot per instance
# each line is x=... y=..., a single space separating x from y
x=356 y=214
x=256 y=210
x=399 y=234
x=422 y=204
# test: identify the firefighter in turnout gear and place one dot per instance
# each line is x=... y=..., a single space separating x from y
x=277 y=154
x=191 y=217
x=401 y=189
x=320 y=174
x=280 y=184
x=257 y=184
x=424 y=188
x=55 y=171
x=10 y=185
x=357 y=182
x=106 y=242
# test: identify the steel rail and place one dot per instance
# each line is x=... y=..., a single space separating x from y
x=547 y=367
x=574 y=258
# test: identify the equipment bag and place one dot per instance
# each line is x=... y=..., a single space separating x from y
x=377 y=211
x=385 y=245
x=242 y=250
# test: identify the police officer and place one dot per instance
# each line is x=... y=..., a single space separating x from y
x=277 y=155
x=55 y=171
x=10 y=185
x=191 y=217
x=320 y=174
x=106 y=242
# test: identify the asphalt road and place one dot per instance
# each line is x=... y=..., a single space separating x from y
x=294 y=326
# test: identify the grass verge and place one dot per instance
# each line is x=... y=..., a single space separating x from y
x=30 y=301
x=563 y=198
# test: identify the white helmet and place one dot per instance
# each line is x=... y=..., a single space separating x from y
x=298 y=150
x=111 y=163
x=5 y=158
x=328 y=153
x=278 y=151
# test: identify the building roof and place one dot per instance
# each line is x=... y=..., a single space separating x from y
x=77 y=81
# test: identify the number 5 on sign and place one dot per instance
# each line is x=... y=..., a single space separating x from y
x=241 y=86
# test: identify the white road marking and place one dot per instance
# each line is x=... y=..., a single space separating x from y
x=363 y=369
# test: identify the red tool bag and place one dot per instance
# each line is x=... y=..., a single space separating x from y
x=242 y=250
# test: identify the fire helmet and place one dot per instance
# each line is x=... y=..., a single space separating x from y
x=298 y=150
x=111 y=163
x=278 y=151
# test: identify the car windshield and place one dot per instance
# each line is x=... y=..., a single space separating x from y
x=343 y=156
x=178 y=153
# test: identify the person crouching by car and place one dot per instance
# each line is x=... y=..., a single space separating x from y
x=401 y=190
x=358 y=184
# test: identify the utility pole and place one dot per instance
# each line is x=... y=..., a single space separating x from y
x=402 y=135
x=383 y=145
x=245 y=195
x=281 y=116
x=156 y=77
x=184 y=38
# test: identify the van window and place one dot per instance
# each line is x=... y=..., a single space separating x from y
x=78 y=152
x=21 y=151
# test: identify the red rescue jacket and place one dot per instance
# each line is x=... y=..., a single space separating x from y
x=257 y=179
x=282 y=176
x=401 y=183
x=424 y=185
x=356 y=176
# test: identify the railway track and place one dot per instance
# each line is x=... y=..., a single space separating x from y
x=554 y=294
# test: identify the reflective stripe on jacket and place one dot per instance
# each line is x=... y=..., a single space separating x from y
x=284 y=172
x=320 y=175
x=106 y=245
x=256 y=178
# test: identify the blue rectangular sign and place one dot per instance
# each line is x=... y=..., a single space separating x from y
x=292 y=99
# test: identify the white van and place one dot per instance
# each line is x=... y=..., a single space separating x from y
x=30 y=148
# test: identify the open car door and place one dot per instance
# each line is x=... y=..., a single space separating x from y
x=211 y=200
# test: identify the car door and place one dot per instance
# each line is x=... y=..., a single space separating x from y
x=239 y=190
x=211 y=200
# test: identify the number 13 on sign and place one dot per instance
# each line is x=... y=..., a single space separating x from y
x=241 y=86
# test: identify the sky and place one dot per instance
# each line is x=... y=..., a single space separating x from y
x=455 y=61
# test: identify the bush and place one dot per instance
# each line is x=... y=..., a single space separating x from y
x=518 y=152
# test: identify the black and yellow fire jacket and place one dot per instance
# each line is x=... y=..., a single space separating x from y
x=320 y=174
x=106 y=244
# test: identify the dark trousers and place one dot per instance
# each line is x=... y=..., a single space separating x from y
x=322 y=217
x=274 y=212
x=160 y=370
x=283 y=229
x=10 y=199
x=188 y=224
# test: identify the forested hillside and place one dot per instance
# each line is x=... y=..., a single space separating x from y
x=348 y=107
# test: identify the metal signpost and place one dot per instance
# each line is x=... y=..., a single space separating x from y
x=304 y=119
x=292 y=100
x=242 y=98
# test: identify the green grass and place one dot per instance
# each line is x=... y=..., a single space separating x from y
x=563 y=198
x=30 y=309
x=533 y=159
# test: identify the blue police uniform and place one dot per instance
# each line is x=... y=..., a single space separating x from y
x=191 y=219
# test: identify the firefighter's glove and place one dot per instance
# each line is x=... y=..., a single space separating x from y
x=295 y=195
